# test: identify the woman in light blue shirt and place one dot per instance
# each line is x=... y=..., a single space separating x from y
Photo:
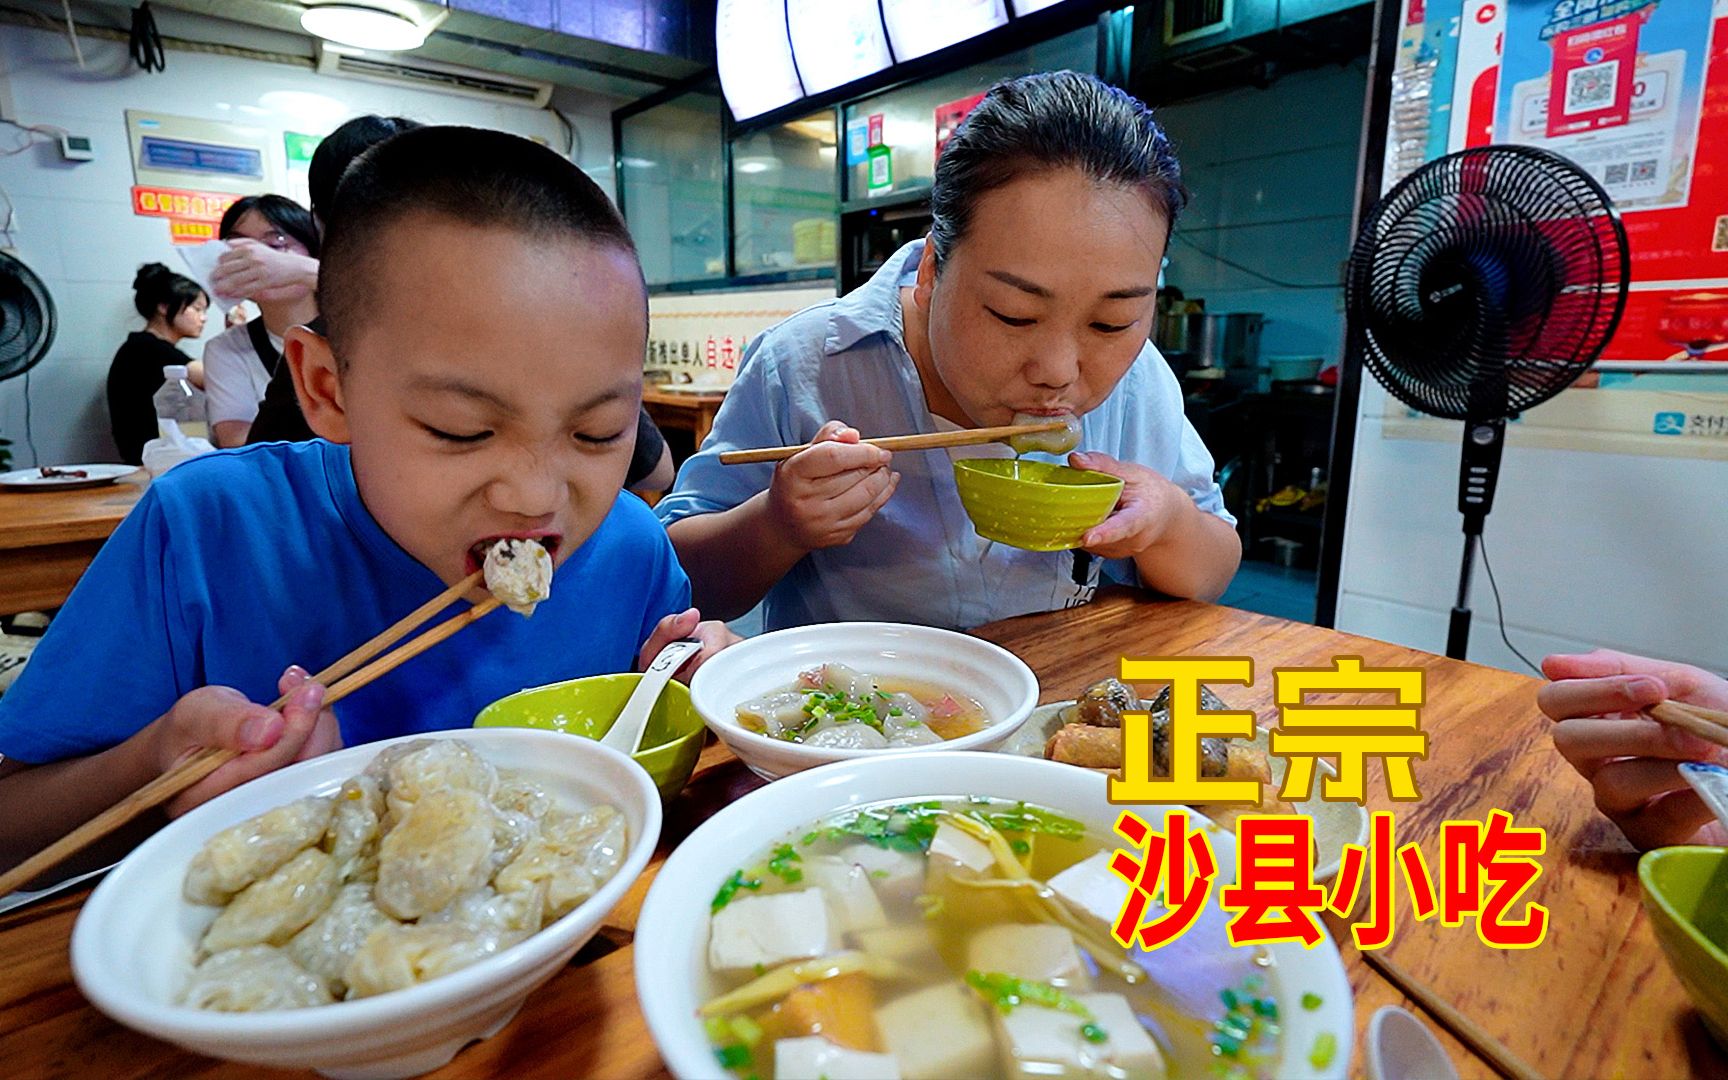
x=1034 y=293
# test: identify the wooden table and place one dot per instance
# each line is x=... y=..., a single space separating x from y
x=685 y=412
x=47 y=539
x=1596 y=999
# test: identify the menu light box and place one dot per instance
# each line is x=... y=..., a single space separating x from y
x=837 y=41
x=920 y=27
x=755 y=57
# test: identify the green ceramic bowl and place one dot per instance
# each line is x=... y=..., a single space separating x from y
x=588 y=707
x=1033 y=504
x=1686 y=896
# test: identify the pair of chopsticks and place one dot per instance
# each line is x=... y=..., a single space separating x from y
x=940 y=440
x=1466 y=1030
x=1710 y=725
x=341 y=679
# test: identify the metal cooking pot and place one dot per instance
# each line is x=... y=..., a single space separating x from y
x=1212 y=341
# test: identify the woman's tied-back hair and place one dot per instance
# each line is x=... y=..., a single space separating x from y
x=1055 y=120
x=472 y=175
x=284 y=215
x=155 y=286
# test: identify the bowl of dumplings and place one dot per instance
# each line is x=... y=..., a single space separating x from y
x=370 y=912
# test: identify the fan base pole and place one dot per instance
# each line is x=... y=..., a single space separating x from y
x=1458 y=631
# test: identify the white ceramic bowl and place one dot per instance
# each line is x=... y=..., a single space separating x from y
x=133 y=946
x=987 y=673
x=672 y=978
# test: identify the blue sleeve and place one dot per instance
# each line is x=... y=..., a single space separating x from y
x=668 y=589
x=115 y=658
x=753 y=415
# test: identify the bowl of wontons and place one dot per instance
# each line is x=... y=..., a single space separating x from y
x=370 y=912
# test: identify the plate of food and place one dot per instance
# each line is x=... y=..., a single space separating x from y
x=369 y=912
x=64 y=477
x=794 y=699
x=1087 y=733
x=947 y=914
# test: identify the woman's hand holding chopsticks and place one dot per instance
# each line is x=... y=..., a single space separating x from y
x=266 y=738
x=1598 y=700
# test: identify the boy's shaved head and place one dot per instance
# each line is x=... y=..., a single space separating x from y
x=475 y=176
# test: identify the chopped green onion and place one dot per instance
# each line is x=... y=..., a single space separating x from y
x=1311 y=1001
x=1092 y=1033
x=1325 y=1049
x=780 y=865
x=1006 y=991
x=730 y=889
x=735 y=1056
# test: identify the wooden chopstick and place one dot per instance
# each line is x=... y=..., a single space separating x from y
x=1468 y=1032
x=937 y=441
x=1710 y=725
x=340 y=679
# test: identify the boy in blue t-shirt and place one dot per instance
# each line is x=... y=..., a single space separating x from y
x=485 y=318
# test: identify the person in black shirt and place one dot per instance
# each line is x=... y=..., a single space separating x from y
x=279 y=418
x=173 y=308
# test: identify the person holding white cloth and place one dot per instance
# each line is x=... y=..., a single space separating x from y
x=239 y=362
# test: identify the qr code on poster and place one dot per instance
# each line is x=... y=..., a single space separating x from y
x=1591 y=88
x=1644 y=171
x=1719 y=242
x=1615 y=174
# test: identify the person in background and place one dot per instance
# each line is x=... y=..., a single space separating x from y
x=267 y=275
x=173 y=308
x=1596 y=701
x=1034 y=293
x=239 y=362
x=263 y=274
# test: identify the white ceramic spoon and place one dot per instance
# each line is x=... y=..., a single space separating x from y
x=1400 y=1047
x=625 y=735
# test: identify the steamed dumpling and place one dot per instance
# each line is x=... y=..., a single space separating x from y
x=241 y=854
x=257 y=978
x=574 y=855
x=353 y=834
x=396 y=957
x=439 y=765
x=441 y=849
x=271 y=911
x=331 y=940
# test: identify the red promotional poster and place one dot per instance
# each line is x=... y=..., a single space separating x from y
x=948 y=117
x=1630 y=90
x=1592 y=76
x=184 y=205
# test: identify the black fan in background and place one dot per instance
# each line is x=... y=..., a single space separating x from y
x=26 y=318
x=1483 y=284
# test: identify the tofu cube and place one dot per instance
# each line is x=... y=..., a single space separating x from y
x=1041 y=952
x=909 y=946
x=897 y=876
x=810 y=1057
x=1092 y=887
x=771 y=930
x=952 y=851
x=851 y=898
x=938 y=1033
x=1043 y=1043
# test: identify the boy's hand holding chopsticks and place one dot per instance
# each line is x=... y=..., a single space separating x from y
x=821 y=496
x=266 y=739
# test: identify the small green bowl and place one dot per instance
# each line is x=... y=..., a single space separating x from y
x=1032 y=504
x=1686 y=897
x=589 y=707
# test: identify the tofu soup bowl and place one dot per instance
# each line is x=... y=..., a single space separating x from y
x=862 y=920
x=137 y=938
x=793 y=699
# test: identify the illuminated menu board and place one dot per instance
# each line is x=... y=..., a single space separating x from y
x=918 y=27
x=756 y=69
x=836 y=41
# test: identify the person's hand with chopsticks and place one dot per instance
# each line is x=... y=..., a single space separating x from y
x=268 y=739
x=821 y=496
x=1597 y=700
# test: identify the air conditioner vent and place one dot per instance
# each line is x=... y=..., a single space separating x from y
x=427 y=75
